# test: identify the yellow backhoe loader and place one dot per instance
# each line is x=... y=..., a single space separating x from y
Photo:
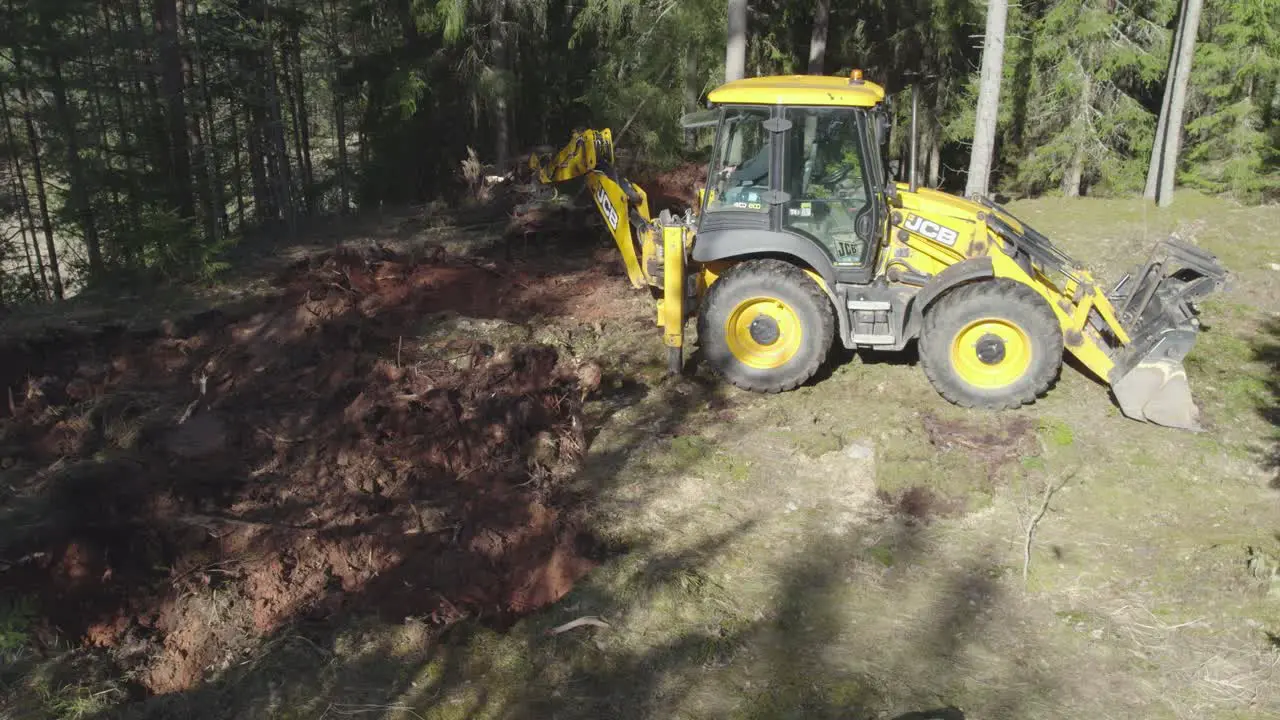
x=801 y=237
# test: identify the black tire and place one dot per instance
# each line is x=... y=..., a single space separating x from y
x=1007 y=302
x=776 y=280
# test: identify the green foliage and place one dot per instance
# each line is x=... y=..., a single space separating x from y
x=16 y=617
x=166 y=247
x=1231 y=138
x=294 y=108
x=1058 y=433
x=1078 y=69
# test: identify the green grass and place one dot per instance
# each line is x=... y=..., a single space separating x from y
x=17 y=614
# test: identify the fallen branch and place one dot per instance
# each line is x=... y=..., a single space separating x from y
x=205 y=521
x=589 y=620
x=204 y=387
x=1049 y=490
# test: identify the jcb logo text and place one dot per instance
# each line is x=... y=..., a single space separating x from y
x=606 y=207
x=931 y=230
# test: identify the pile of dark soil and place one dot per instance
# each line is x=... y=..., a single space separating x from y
x=676 y=189
x=180 y=495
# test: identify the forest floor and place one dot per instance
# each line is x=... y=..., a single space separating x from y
x=376 y=480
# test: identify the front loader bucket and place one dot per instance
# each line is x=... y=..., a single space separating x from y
x=1158 y=392
x=1157 y=306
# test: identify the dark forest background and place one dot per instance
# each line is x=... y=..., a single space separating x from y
x=143 y=138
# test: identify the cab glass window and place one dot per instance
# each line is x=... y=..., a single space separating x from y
x=740 y=167
x=826 y=178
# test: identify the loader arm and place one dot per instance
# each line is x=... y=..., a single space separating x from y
x=1133 y=337
x=623 y=205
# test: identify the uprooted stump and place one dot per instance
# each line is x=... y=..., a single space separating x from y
x=198 y=489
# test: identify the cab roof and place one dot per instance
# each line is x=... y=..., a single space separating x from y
x=798 y=90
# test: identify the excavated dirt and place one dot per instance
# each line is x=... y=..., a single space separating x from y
x=180 y=495
x=675 y=190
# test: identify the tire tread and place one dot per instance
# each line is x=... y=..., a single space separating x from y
x=934 y=353
x=768 y=272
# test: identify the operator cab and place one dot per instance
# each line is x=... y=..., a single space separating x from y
x=796 y=167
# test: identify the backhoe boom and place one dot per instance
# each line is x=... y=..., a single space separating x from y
x=623 y=205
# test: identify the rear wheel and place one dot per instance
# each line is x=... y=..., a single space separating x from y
x=765 y=326
x=994 y=344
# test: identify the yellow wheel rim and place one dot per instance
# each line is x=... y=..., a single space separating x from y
x=991 y=353
x=763 y=333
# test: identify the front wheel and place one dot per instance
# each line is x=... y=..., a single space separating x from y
x=766 y=326
x=994 y=344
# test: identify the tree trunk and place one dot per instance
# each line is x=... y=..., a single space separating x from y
x=195 y=129
x=35 y=276
x=37 y=169
x=213 y=164
x=935 y=159
x=339 y=105
x=200 y=160
x=172 y=86
x=501 y=119
x=255 y=131
x=1172 y=139
x=125 y=134
x=304 y=122
x=278 y=160
x=154 y=106
x=340 y=121
x=295 y=131
x=19 y=180
x=984 y=131
x=94 y=91
x=42 y=201
x=1157 y=143
x=735 y=57
x=818 y=41
x=692 y=89
x=237 y=170
x=79 y=191
x=1075 y=168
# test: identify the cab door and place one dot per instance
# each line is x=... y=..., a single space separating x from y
x=827 y=187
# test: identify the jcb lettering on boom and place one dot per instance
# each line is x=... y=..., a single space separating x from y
x=931 y=230
x=607 y=209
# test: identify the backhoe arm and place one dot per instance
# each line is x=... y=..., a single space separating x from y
x=624 y=206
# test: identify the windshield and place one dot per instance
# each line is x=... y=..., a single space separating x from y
x=739 y=173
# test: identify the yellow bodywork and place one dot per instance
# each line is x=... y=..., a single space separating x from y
x=926 y=234
x=1072 y=298
x=585 y=154
x=799 y=90
x=657 y=256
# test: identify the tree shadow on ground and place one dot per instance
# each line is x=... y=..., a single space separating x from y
x=1266 y=350
x=799 y=645
x=394 y=626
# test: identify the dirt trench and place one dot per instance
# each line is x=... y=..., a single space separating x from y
x=177 y=496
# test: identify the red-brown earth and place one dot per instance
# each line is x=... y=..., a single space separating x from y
x=180 y=494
